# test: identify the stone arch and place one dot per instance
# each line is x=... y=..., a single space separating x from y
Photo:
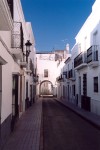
x=46 y=88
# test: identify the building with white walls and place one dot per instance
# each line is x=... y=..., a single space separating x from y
x=17 y=67
x=31 y=67
x=49 y=67
x=69 y=76
x=46 y=70
x=61 y=76
x=85 y=61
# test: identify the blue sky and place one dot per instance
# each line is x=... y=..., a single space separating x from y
x=56 y=22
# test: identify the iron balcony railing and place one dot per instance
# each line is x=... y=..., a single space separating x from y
x=92 y=54
x=10 y=4
x=65 y=74
x=35 y=78
x=71 y=73
x=17 y=36
x=60 y=78
x=81 y=58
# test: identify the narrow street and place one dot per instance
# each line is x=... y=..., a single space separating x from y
x=49 y=125
x=64 y=130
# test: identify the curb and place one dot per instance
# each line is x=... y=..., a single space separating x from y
x=97 y=125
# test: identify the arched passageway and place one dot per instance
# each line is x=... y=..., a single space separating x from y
x=46 y=88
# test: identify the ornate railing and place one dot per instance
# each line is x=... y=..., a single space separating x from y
x=17 y=36
x=78 y=60
x=60 y=78
x=70 y=74
x=35 y=78
x=92 y=54
x=81 y=58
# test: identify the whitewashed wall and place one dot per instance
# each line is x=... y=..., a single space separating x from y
x=6 y=83
x=44 y=63
x=85 y=39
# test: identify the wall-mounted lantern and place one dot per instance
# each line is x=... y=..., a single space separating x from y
x=28 y=44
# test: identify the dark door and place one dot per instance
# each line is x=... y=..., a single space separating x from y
x=0 y=98
x=68 y=92
x=0 y=91
x=31 y=94
x=27 y=89
x=15 y=110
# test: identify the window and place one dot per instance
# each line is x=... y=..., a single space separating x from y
x=85 y=84
x=26 y=89
x=73 y=89
x=95 y=84
x=45 y=73
x=79 y=85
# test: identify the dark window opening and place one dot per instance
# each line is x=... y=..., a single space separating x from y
x=85 y=84
x=73 y=90
x=95 y=84
x=46 y=73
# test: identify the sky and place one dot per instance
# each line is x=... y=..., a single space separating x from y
x=56 y=22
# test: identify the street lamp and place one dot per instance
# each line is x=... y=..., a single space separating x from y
x=28 y=44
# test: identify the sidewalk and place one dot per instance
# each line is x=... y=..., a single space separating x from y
x=26 y=135
x=91 y=117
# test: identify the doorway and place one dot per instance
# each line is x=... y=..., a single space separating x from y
x=68 y=92
x=0 y=92
x=46 y=88
x=15 y=107
x=79 y=97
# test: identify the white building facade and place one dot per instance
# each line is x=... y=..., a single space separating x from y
x=88 y=72
x=17 y=67
x=46 y=70
x=49 y=67
x=82 y=82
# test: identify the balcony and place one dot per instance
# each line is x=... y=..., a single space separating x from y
x=92 y=56
x=65 y=74
x=17 y=40
x=35 y=78
x=23 y=64
x=28 y=71
x=80 y=61
x=71 y=75
x=6 y=20
x=60 y=79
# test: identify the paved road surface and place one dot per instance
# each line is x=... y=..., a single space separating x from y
x=64 y=130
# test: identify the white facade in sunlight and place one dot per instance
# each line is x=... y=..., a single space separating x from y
x=84 y=65
x=49 y=68
x=16 y=69
x=46 y=64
